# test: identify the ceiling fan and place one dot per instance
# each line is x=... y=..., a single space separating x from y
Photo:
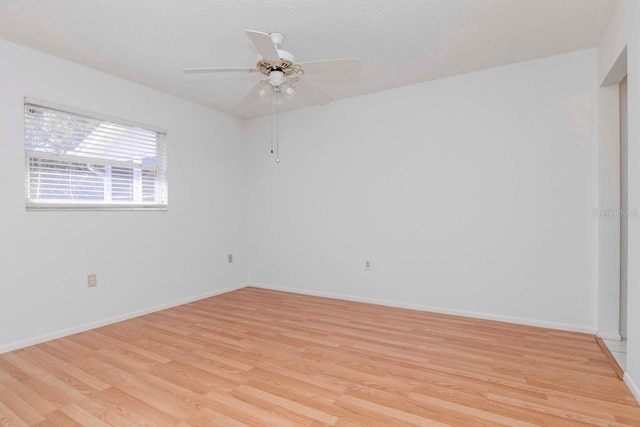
x=283 y=74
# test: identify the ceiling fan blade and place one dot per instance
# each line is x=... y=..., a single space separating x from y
x=333 y=70
x=309 y=94
x=259 y=91
x=219 y=70
x=264 y=45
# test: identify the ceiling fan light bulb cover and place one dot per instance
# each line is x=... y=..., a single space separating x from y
x=287 y=90
x=276 y=78
x=263 y=90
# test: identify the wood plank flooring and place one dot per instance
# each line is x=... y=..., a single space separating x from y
x=256 y=358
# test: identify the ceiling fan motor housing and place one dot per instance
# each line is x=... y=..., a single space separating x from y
x=285 y=63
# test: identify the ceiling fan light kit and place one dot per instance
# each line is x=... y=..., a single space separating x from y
x=283 y=76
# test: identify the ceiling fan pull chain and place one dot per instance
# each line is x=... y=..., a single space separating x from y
x=271 y=122
x=277 y=132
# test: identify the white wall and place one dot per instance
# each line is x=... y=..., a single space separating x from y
x=143 y=259
x=612 y=43
x=469 y=194
x=633 y=272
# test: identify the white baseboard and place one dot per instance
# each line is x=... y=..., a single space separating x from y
x=442 y=310
x=92 y=325
x=609 y=336
x=635 y=390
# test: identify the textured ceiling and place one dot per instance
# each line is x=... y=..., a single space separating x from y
x=399 y=42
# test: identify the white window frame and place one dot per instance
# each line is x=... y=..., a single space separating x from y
x=161 y=181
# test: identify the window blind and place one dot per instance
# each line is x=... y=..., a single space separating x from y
x=81 y=161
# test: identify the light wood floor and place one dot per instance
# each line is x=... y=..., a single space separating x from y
x=263 y=358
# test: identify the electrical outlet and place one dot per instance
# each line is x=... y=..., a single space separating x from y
x=367 y=264
x=92 y=281
x=230 y=258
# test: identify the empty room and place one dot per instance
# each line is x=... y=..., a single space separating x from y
x=320 y=213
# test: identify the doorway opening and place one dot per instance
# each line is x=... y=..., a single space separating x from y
x=624 y=206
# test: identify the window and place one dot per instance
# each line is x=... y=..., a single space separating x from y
x=79 y=160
